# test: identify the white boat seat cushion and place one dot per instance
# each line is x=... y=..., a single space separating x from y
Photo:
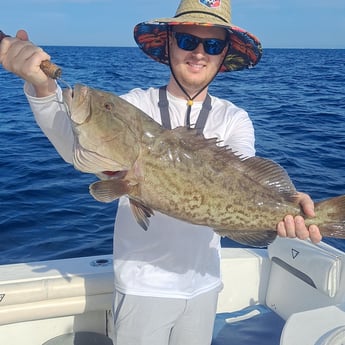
x=302 y=273
x=314 y=264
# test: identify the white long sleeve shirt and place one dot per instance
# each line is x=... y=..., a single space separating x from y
x=172 y=258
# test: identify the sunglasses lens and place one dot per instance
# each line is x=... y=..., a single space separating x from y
x=212 y=46
x=186 y=42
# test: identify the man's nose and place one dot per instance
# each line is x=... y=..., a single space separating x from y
x=199 y=49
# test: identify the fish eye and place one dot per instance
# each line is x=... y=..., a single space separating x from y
x=108 y=106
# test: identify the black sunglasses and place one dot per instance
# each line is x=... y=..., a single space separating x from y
x=212 y=46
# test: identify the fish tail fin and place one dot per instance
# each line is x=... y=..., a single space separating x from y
x=332 y=213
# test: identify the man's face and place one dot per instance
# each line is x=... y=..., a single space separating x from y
x=195 y=69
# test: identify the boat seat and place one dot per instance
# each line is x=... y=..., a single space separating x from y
x=322 y=326
x=307 y=289
x=303 y=277
x=80 y=338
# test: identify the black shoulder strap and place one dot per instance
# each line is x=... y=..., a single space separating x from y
x=203 y=115
x=165 y=116
x=164 y=107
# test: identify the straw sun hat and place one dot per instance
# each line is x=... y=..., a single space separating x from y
x=245 y=49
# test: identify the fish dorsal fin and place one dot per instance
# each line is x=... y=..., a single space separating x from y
x=141 y=213
x=252 y=238
x=269 y=174
x=263 y=171
x=189 y=137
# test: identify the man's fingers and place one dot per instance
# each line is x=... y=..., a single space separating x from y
x=22 y=35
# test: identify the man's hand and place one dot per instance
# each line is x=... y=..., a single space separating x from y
x=295 y=226
x=19 y=56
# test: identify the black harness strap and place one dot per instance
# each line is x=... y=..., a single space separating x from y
x=164 y=107
x=165 y=116
x=203 y=115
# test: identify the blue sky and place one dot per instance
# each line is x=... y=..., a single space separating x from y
x=279 y=24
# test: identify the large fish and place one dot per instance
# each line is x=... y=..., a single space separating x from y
x=180 y=173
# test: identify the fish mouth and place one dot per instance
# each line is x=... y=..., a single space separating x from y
x=78 y=103
x=112 y=175
x=78 y=106
x=71 y=95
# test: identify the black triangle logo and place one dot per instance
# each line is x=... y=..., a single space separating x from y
x=294 y=253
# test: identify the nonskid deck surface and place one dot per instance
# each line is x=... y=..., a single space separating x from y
x=254 y=325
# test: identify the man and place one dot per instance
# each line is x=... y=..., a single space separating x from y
x=167 y=279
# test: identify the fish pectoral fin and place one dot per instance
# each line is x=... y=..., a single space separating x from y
x=109 y=190
x=141 y=213
x=252 y=238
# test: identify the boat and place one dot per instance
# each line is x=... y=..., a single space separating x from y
x=291 y=293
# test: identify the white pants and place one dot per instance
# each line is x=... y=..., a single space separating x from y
x=143 y=320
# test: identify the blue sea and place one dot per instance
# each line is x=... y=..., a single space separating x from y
x=296 y=99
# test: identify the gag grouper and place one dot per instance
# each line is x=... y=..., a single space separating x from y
x=180 y=173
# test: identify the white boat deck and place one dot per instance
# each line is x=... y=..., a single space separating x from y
x=268 y=295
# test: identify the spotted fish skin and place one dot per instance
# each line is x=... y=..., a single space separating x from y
x=181 y=174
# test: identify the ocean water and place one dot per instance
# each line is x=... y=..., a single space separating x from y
x=295 y=98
